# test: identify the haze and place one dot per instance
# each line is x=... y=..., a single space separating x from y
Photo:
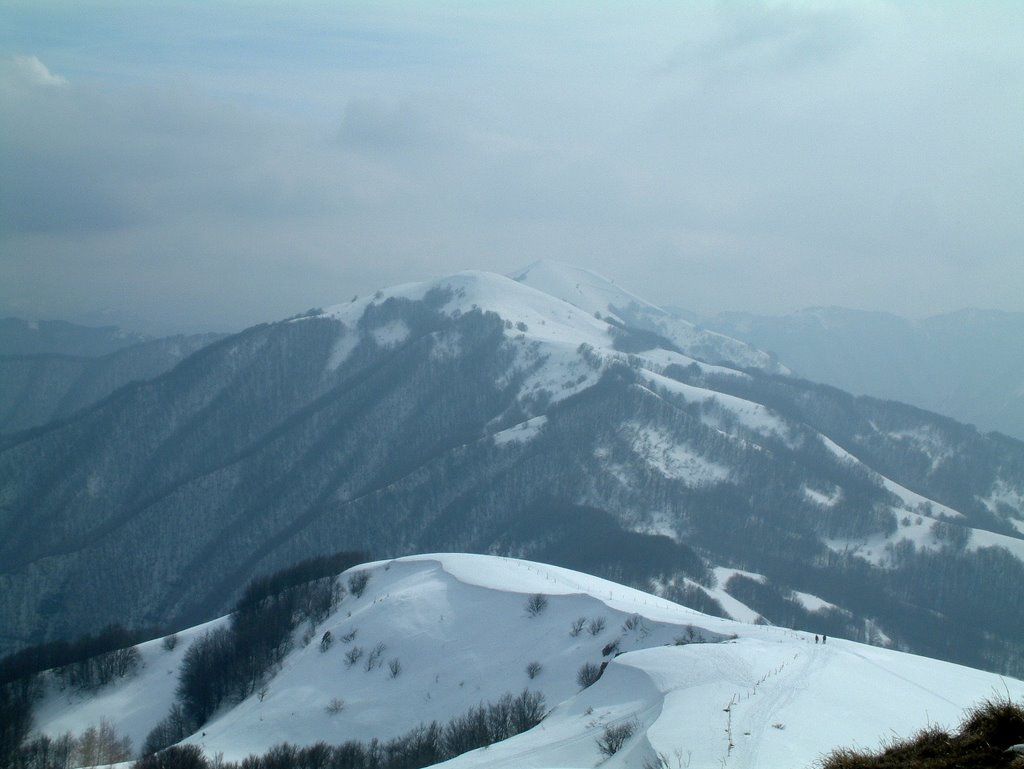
x=218 y=165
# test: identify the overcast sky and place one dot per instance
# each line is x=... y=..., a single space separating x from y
x=220 y=164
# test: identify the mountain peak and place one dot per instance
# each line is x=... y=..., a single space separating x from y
x=584 y=288
x=600 y=296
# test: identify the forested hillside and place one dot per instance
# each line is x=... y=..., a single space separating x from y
x=40 y=387
x=477 y=414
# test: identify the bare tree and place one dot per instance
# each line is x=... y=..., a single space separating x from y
x=615 y=736
x=352 y=656
x=536 y=603
x=374 y=657
x=102 y=745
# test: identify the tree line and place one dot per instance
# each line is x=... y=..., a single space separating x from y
x=424 y=745
x=231 y=662
x=228 y=662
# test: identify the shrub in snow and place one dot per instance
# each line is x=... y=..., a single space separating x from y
x=170 y=642
x=357 y=583
x=335 y=706
x=596 y=626
x=374 y=657
x=635 y=622
x=533 y=669
x=536 y=603
x=615 y=736
x=394 y=667
x=689 y=636
x=175 y=757
x=588 y=674
x=577 y=626
x=661 y=761
x=353 y=655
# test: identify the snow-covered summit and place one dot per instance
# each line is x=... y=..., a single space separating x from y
x=449 y=631
x=597 y=294
x=564 y=325
x=557 y=302
x=584 y=288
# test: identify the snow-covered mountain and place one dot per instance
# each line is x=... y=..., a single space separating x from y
x=478 y=413
x=464 y=629
x=598 y=295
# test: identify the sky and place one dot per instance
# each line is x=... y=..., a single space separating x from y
x=195 y=165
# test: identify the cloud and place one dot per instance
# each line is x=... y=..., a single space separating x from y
x=760 y=156
x=31 y=70
x=758 y=41
x=374 y=125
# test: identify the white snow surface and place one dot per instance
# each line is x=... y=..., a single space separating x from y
x=672 y=459
x=1003 y=494
x=755 y=417
x=560 y=343
x=922 y=512
x=578 y=286
x=812 y=602
x=459 y=626
x=597 y=294
x=522 y=432
x=548 y=319
x=821 y=498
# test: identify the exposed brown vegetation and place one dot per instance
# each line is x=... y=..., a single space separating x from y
x=981 y=742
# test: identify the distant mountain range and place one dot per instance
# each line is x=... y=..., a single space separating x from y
x=58 y=337
x=620 y=678
x=552 y=416
x=968 y=365
x=51 y=369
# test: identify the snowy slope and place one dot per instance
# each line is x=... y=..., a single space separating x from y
x=562 y=320
x=596 y=294
x=562 y=347
x=731 y=694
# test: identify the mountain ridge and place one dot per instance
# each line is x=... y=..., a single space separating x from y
x=474 y=413
x=463 y=630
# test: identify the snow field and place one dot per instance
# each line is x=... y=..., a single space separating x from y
x=751 y=696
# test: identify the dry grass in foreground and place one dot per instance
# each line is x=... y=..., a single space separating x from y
x=981 y=742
